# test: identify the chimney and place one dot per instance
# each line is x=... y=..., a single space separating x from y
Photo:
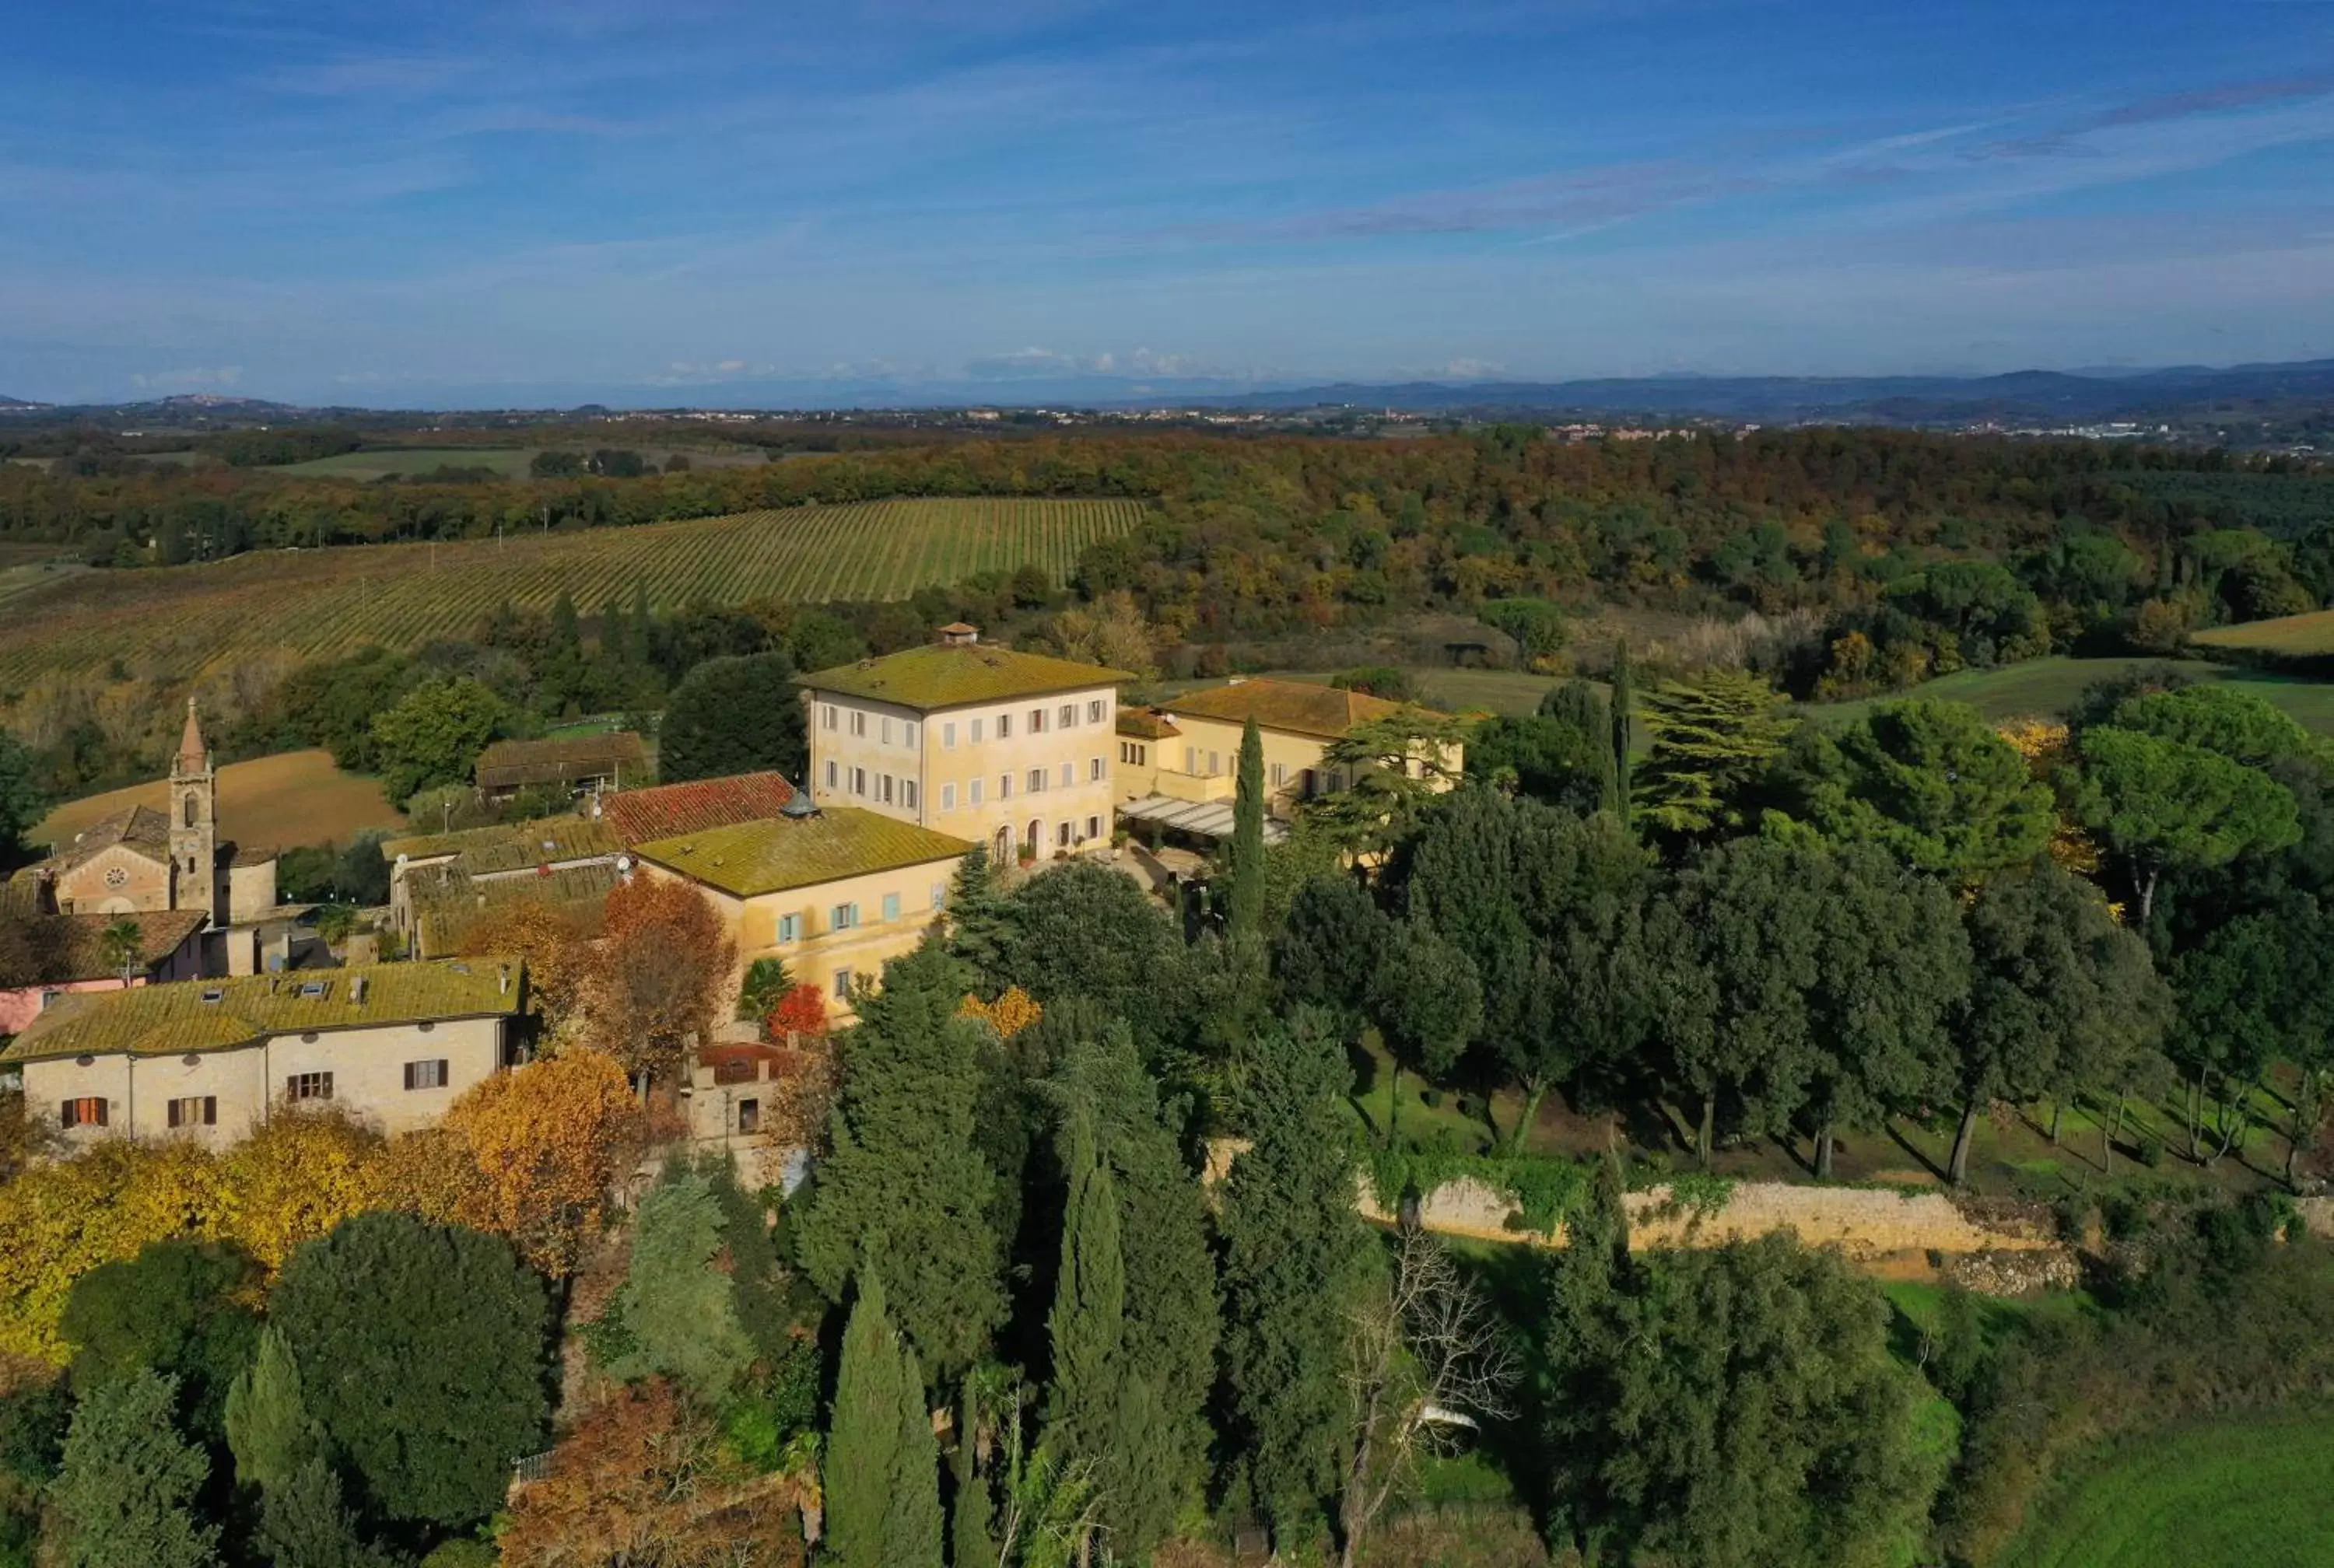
x=502 y=985
x=958 y=634
x=357 y=989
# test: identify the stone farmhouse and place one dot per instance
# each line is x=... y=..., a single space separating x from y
x=390 y=1044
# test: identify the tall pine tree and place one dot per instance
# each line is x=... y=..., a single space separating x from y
x=1244 y=906
x=1293 y=1256
x=862 y=1441
x=268 y=1427
x=128 y=1482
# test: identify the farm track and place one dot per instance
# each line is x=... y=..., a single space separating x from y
x=173 y=622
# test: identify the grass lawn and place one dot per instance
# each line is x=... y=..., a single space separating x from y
x=2309 y=634
x=2250 y=1492
x=2048 y=686
x=295 y=797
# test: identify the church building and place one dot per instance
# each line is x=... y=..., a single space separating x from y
x=139 y=861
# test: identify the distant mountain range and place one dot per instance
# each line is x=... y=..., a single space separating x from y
x=2049 y=397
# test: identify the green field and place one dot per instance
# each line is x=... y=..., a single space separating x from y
x=2293 y=636
x=2243 y=1492
x=170 y=622
x=2046 y=688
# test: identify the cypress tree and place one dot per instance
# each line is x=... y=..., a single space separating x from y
x=1624 y=710
x=1088 y=1323
x=863 y=1440
x=1293 y=1256
x=268 y=1427
x=1244 y=909
x=912 y=1524
x=970 y=1541
x=978 y=915
x=642 y=640
x=305 y=1523
x=129 y=1482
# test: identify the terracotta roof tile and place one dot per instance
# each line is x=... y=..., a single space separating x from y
x=68 y=948
x=510 y=846
x=639 y=816
x=516 y=763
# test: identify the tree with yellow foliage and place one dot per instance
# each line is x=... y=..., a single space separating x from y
x=554 y=944
x=547 y=1141
x=1012 y=1012
x=295 y=1178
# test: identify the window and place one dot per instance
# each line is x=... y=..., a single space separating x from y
x=908 y=731
x=1068 y=716
x=1062 y=836
x=308 y=1086
x=948 y=737
x=891 y=906
x=908 y=794
x=858 y=724
x=842 y=985
x=1037 y=721
x=789 y=928
x=1093 y=827
x=1279 y=774
x=826 y=716
x=1096 y=709
x=1037 y=779
x=84 y=1113
x=1093 y=770
x=49 y=999
x=843 y=916
x=887 y=729
x=1191 y=759
x=884 y=789
x=948 y=797
x=1004 y=786
x=1070 y=774
x=859 y=781
x=195 y=1110
x=976 y=732
x=426 y=1074
x=976 y=787
x=1133 y=752
x=1215 y=762
x=1004 y=726
x=939 y=895
x=830 y=773
x=749 y=1116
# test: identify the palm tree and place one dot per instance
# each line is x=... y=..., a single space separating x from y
x=123 y=944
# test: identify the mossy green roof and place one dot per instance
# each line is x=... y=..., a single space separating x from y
x=447 y=900
x=220 y=1014
x=780 y=854
x=1296 y=706
x=951 y=675
x=510 y=846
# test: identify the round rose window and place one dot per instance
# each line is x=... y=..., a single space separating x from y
x=117 y=878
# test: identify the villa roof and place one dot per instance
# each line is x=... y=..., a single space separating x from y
x=1297 y=706
x=639 y=816
x=516 y=764
x=197 y=1015
x=1146 y=724
x=952 y=674
x=779 y=853
x=447 y=900
x=510 y=846
x=68 y=948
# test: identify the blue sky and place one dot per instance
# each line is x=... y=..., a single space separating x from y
x=489 y=203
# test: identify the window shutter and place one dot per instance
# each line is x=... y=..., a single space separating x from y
x=410 y=1066
x=103 y=1106
x=210 y=1111
x=171 y=1119
x=444 y=1077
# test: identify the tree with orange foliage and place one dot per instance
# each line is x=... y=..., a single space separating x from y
x=802 y=1011
x=555 y=944
x=643 y=1479
x=295 y=1178
x=1012 y=1012
x=657 y=978
x=547 y=1141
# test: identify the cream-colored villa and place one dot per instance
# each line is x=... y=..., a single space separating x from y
x=390 y=1044
x=833 y=891
x=1010 y=750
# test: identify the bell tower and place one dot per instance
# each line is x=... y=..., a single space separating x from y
x=194 y=822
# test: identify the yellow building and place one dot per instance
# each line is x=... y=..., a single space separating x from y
x=391 y=1043
x=1178 y=763
x=832 y=891
x=1012 y=750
